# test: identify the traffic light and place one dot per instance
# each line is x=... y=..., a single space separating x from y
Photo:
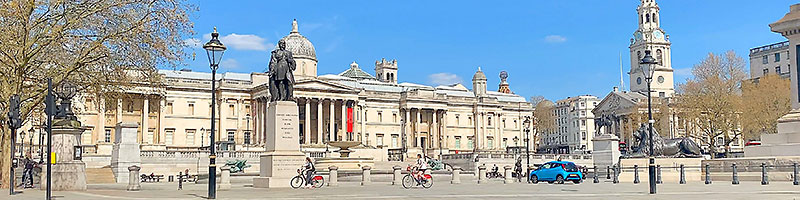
x=14 y=120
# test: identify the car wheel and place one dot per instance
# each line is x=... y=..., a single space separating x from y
x=534 y=179
x=560 y=179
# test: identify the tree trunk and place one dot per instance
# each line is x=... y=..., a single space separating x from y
x=5 y=157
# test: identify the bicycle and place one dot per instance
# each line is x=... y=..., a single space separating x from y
x=299 y=180
x=426 y=180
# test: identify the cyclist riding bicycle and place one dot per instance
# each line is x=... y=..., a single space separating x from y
x=310 y=170
x=422 y=165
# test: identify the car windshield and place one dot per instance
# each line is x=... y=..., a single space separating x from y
x=570 y=167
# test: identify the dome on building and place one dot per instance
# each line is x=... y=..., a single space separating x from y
x=299 y=44
x=479 y=75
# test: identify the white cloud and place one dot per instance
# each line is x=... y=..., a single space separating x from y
x=444 y=79
x=241 y=42
x=229 y=63
x=555 y=39
x=683 y=72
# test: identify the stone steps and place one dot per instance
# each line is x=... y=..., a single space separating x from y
x=99 y=175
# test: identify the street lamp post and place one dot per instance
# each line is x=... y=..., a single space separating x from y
x=214 y=49
x=647 y=65
x=30 y=141
x=526 y=125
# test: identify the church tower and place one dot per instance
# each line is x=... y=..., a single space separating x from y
x=650 y=36
x=386 y=71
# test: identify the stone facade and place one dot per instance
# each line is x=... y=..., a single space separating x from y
x=575 y=126
x=354 y=105
x=770 y=59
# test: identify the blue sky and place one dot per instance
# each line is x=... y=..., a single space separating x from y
x=551 y=48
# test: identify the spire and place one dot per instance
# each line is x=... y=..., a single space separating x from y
x=294 y=26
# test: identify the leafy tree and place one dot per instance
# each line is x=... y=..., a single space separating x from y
x=544 y=119
x=764 y=101
x=104 y=46
x=710 y=101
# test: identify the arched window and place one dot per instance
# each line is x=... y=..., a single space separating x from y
x=641 y=20
x=647 y=17
x=659 y=57
x=639 y=55
x=654 y=18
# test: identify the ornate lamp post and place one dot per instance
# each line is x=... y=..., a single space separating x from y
x=526 y=125
x=647 y=65
x=214 y=50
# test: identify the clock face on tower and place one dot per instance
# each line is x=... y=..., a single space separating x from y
x=658 y=34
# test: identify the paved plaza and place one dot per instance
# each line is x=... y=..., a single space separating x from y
x=441 y=189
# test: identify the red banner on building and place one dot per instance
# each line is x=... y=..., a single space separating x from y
x=350 y=120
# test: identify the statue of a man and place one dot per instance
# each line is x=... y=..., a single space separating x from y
x=281 y=65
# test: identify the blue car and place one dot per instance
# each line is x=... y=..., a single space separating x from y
x=556 y=171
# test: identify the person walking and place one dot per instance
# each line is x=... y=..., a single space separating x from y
x=27 y=174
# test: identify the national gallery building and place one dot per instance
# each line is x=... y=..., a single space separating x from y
x=387 y=117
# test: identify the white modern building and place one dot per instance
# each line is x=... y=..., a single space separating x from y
x=574 y=126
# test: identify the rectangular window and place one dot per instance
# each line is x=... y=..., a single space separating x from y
x=766 y=71
x=380 y=117
x=149 y=138
x=470 y=144
x=470 y=120
x=232 y=110
x=583 y=135
x=457 y=120
x=247 y=109
x=168 y=108
x=168 y=134
x=394 y=117
x=191 y=109
x=765 y=59
x=395 y=143
x=777 y=57
x=490 y=142
x=107 y=137
x=379 y=140
x=583 y=122
x=209 y=110
x=231 y=135
x=247 y=137
x=505 y=143
x=458 y=142
x=778 y=70
x=190 y=137
x=583 y=113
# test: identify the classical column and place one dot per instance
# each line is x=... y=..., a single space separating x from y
x=407 y=127
x=434 y=132
x=146 y=119
x=101 y=126
x=363 y=123
x=500 y=125
x=417 y=133
x=307 y=123
x=443 y=126
x=343 y=122
x=119 y=111
x=319 y=121
x=332 y=119
x=159 y=127
x=256 y=124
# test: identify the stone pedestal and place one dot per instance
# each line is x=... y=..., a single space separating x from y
x=225 y=179
x=125 y=152
x=67 y=174
x=283 y=157
x=605 y=150
x=134 y=184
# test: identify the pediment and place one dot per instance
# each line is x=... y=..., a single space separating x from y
x=617 y=103
x=316 y=84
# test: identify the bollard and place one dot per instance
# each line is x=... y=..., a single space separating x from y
x=396 y=178
x=456 y=176
x=365 y=173
x=616 y=174
x=708 y=175
x=225 y=179
x=333 y=176
x=608 y=172
x=658 y=174
x=794 y=175
x=481 y=174
x=133 y=178
x=507 y=175
x=635 y=174
x=595 y=175
x=735 y=178
x=683 y=176
x=764 y=177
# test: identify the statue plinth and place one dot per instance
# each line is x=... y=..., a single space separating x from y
x=283 y=157
x=125 y=152
x=605 y=150
x=67 y=173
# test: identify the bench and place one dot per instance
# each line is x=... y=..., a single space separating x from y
x=154 y=178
